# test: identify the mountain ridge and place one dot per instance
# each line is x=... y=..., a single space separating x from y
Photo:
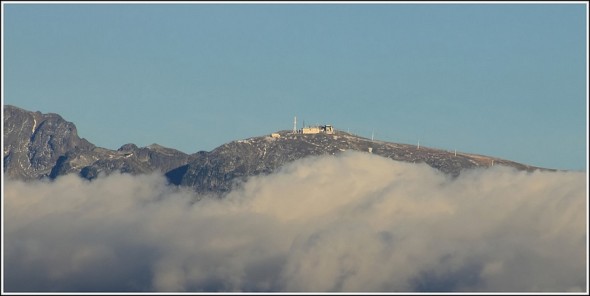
x=38 y=145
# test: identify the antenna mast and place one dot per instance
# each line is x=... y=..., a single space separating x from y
x=372 y=135
x=295 y=124
x=418 y=144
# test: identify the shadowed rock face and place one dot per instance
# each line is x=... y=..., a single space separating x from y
x=35 y=142
x=45 y=145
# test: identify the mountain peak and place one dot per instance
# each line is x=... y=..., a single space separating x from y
x=128 y=147
x=45 y=145
x=218 y=170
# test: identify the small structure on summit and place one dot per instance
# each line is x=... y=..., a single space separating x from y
x=324 y=129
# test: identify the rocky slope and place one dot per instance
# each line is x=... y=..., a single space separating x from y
x=45 y=145
x=219 y=169
x=34 y=142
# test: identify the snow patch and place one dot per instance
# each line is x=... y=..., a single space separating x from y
x=34 y=125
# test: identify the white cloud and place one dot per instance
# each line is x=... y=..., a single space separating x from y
x=355 y=222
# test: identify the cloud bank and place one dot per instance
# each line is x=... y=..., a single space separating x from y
x=355 y=222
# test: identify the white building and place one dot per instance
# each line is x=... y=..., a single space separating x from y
x=325 y=129
x=310 y=130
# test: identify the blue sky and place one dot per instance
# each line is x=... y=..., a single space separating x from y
x=505 y=80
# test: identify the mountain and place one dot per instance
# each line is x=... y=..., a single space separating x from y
x=34 y=142
x=45 y=145
x=40 y=145
x=219 y=169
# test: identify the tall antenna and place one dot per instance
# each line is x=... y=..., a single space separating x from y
x=295 y=124
x=418 y=144
x=372 y=135
x=455 y=152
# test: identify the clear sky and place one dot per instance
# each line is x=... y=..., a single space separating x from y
x=504 y=80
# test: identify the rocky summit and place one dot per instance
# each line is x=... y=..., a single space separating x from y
x=45 y=145
x=40 y=145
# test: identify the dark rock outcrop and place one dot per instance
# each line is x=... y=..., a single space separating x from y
x=34 y=143
x=45 y=145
